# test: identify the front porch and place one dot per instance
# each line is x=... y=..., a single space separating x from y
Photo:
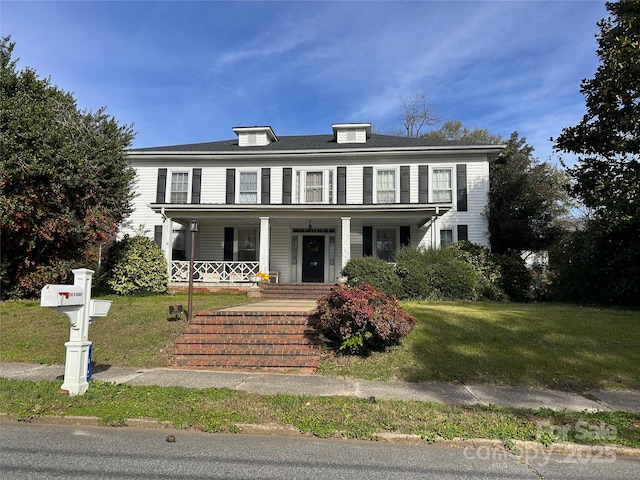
x=230 y=247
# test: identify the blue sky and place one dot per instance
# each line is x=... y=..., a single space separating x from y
x=189 y=71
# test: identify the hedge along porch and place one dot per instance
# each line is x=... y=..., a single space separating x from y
x=301 y=206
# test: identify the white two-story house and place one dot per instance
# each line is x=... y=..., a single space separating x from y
x=299 y=207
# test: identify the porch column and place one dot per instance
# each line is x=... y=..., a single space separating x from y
x=167 y=238
x=346 y=240
x=264 y=245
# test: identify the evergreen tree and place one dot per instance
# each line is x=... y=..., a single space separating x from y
x=66 y=183
x=603 y=260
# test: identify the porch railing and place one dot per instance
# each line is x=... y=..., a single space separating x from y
x=213 y=272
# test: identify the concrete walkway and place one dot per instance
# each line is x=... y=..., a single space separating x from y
x=315 y=385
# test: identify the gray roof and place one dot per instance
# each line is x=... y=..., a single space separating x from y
x=309 y=142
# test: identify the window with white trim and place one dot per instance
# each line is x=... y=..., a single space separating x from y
x=179 y=187
x=386 y=243
x=314 y=186
x=386 y=186
x=442 y=185
x=248 y=187
x=446 y=238
x=247 y=245
x=179 y=244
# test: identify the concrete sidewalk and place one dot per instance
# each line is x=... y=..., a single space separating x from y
x=314 y=385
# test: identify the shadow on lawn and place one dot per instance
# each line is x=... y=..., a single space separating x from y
x=551 y=346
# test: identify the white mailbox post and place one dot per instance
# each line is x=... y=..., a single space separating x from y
x=75 y=302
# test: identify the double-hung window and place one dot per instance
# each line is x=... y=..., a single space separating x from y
x=179 y=187
x=446 y=238
x=386 y=186
x=248 y=187
x=386 y=244
x=247 y=244
x=442 y=187
x=314 y=188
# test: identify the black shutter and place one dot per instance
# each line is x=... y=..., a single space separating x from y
x=162 y=185
x=367 y=241
x=157 y=235
x=231 y=185
x=195 y=185
x=286 y=186
x=342 y=185
x=266 y=186
x=461 y=181
x=228 y=244
x=405 y=185
x=367 y=185
x=423 y=184
x=463 y=232
x=405 y=235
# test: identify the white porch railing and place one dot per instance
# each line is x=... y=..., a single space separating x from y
x=213 y=272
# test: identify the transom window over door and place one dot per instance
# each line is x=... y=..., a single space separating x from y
x=386 y=186
x=313 y=187
x=442 y=185
x=248 y=187
x=179 y=187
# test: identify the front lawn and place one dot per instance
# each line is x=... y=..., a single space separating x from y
x=556 y=346
x=541 y=345
x=135 y=333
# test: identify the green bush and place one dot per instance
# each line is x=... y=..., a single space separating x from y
x=516 y=280
x=375 y=272
x=362 y=319
x=434 y=274
x=487 y=270
x=136 y=265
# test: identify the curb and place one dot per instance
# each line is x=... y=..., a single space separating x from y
x=519 y=447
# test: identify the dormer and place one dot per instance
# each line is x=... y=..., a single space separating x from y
x=351 y=132
x=255 y=136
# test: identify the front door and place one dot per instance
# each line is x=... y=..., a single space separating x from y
x=313 y=258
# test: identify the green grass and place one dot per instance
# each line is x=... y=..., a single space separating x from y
x=223 y=410
x=556 y=346
x=135 y=333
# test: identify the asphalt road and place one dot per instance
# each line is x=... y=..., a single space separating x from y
x=45 y=452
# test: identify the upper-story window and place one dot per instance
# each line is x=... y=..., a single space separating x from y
x=314 y=186
x=386 y=186
x=248 y=187
x=442 y=186
x=179 y=187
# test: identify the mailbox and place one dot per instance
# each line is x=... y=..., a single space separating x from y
x=62 y=296
x=99 y=308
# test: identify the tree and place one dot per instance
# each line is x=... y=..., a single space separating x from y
x=605 y=255
x=527 y=200
x=66 y=183
x=454 y=130
x=417 y=114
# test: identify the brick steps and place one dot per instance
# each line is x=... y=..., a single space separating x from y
x=274 y=341
x=294 y=291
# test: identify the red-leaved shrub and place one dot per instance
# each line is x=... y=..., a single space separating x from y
x=361 y=319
